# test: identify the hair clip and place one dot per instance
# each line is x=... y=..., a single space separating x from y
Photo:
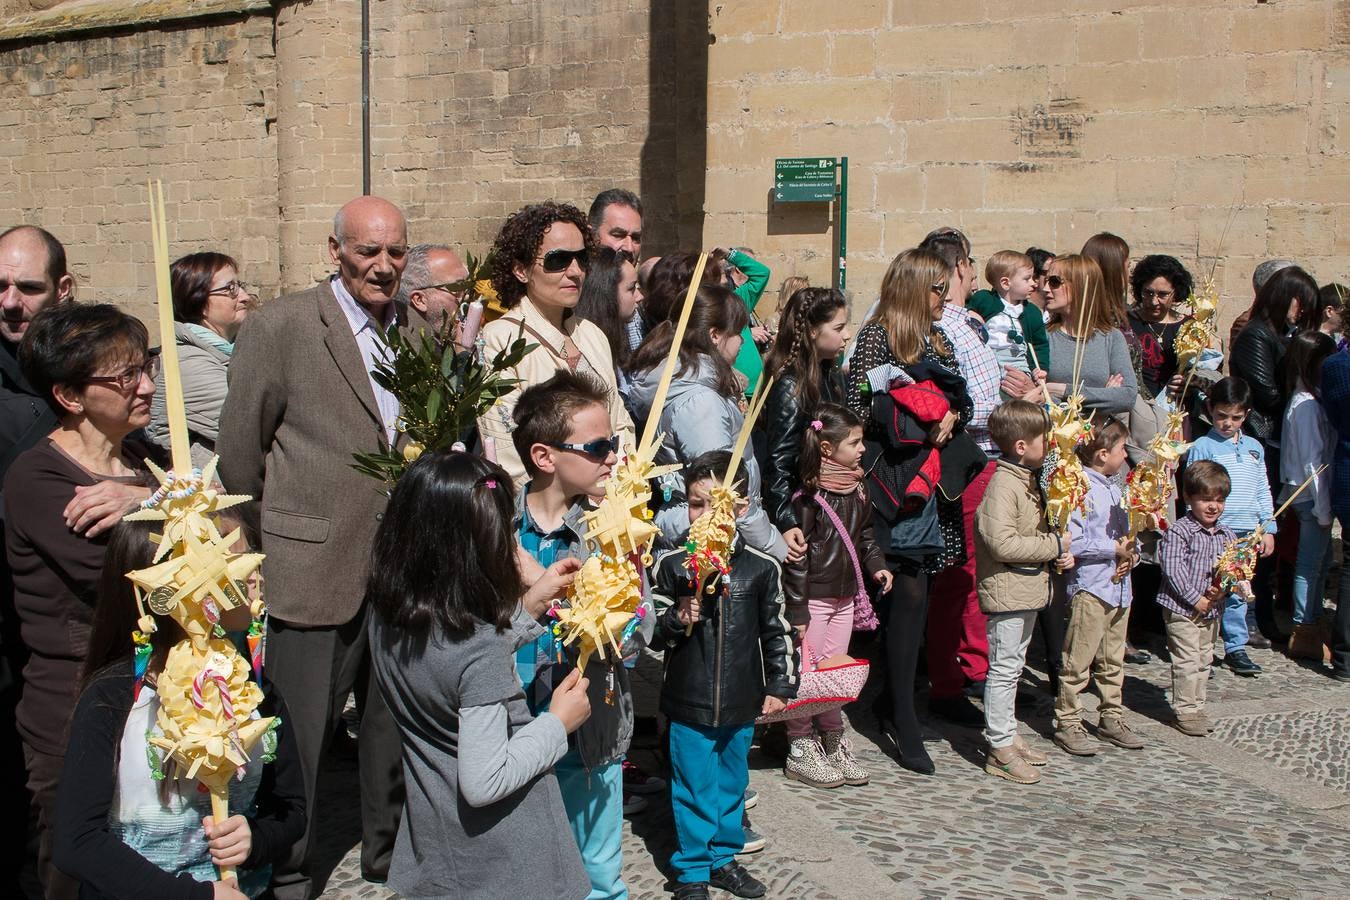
x=491 y=483
x=816 y=425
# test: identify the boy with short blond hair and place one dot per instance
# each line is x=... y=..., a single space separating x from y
x=1013 y=549
x=1016 y=328
x=1098 y=587
x=1190 y=594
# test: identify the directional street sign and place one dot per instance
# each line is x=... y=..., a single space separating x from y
x=804 y=179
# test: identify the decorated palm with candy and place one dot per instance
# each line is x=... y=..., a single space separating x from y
x=1150 y=486
x=1063 y=480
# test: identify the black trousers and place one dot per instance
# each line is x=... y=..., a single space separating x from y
x=314 y=669
x=903 y=614
x=1340 y=625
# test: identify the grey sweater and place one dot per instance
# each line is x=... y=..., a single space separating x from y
x=1103 y=356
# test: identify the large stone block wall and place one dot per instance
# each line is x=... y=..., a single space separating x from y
x=85 y=122
x=1038 y=122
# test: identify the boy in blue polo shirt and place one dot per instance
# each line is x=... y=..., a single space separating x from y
x=1249 y=501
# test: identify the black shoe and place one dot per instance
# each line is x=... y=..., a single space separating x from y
x=1342 y=677
x=692 y=890
x=921 y=764
x=1258 y=641
x=1242 y=664
x=734 y=879
x=957 y=710
x=1136 y=657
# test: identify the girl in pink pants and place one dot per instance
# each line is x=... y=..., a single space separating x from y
x=826 y=591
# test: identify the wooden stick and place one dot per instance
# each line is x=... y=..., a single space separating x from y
x=663 y=387
x=220 y=811
x=179 y=442
x=1035 y=361
x=1301 y=488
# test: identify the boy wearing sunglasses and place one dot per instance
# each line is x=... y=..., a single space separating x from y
x=567 y=443
x=1016 y=328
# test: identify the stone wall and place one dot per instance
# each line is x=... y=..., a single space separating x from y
x=1197 y=128
x=87 y=121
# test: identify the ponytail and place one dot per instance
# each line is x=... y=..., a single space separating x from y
x=830 y=422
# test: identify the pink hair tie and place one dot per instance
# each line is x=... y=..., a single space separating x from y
x=816 y=424
x=491 y=484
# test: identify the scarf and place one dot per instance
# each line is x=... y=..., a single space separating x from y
x=839 y=479
x=204 y=335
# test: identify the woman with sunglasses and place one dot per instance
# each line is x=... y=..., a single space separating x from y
x=209 y=305
x=91 y=363
x=899 y=345
x=542 y=255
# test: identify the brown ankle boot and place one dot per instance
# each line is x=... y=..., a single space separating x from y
x=1307 y=642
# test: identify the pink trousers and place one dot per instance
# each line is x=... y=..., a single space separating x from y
x=828 y=633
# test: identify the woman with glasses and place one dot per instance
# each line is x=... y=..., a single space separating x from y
x=899 y=345
x=542 y=255
x=1158 y=283
x=209 y=305
x=92 y=365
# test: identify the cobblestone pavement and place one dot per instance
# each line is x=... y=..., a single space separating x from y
x=1258 y=809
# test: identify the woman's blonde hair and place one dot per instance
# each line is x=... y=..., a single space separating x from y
x=903 y=310
x=1083 y=277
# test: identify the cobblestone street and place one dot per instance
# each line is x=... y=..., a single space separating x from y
x=1258 y=809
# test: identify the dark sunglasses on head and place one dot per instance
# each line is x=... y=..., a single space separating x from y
x=1054 y=282
x=598 y=448
x=555 y=261
x=940 y=288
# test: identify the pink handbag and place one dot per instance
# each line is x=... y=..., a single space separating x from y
x=829 y=684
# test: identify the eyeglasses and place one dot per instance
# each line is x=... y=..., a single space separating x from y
x=598 y=448
x=561 y=260
x=1164 y=296
x=232 y=288
x=940 y=288
x=1054 y=282
x=127 y=379
x=455 y=289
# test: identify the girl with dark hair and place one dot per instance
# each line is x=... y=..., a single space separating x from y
x=668 y=282
x=825 y=591
x=121 y=830
x=1158 y=283
x=542 y=255
x=610 y=297
x=703 y=409
x=812 y=332
x=483 y=815
x=1306 y=445
x=209 y=306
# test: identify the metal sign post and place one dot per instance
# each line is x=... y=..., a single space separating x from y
x=817 y=179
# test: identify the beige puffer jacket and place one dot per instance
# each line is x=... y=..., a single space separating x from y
x=1013 y=543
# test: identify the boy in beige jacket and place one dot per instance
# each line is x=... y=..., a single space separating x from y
x=1013 y=547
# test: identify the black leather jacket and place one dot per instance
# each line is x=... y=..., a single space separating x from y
x=1257 y=357
x=783 y=421
x=739 y=650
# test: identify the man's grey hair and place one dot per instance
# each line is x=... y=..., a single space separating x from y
x=611 y=197
x=1267 y=269
x=417 y=272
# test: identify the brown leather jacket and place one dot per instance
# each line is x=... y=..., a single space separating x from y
x=826 y=571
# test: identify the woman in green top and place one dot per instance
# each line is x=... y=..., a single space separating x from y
x=747 y=278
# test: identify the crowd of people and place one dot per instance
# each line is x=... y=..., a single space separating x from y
x=892 y=496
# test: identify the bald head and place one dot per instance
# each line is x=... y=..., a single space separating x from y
x=32 y=276
x=369 y=244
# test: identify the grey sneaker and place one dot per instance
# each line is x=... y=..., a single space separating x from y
x=1115 y=730
x=1195 y=725
x=1075 y=740
x=840 y=755
x=806 y=763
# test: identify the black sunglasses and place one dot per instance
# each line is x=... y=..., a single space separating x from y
x=1054 y=282
x=561 y=260
x=598 y=448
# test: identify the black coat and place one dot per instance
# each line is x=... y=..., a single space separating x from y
x=739 y=650
x=1257 y=357
x=784 y=420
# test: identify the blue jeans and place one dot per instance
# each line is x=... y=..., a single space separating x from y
x=594 y=802
x=1311 y=565
x=709 y=774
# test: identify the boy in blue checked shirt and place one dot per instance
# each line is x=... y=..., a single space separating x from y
x=566 y=440
x=1249 y=502
x=1190 y=594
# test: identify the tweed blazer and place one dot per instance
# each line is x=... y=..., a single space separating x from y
x=299 y=405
